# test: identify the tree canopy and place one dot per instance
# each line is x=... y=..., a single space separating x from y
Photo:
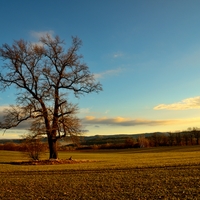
x=43 y=74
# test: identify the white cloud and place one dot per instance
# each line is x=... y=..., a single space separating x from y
x=112 y=72
x=185 y=104
x=39 y=34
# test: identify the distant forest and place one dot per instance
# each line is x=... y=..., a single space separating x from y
x=188 y=137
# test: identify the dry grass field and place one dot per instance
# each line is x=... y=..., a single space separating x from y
x=148 y=173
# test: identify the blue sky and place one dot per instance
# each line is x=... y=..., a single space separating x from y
x=146 y=54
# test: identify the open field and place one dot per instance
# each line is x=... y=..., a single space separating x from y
x=149 y=173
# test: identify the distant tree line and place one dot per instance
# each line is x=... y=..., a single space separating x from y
x=188 y=137
x=31 y=145
x=180 y=138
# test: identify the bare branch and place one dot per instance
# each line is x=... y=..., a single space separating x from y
x=43 y=74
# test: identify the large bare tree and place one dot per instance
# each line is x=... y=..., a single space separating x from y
x=43 y=74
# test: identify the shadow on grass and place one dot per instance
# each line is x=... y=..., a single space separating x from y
x=48 y=162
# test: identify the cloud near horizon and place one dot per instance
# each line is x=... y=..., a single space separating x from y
x=25 y=125
x=185 y=104
x=120 y=121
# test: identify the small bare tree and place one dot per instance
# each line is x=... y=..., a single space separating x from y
x=33 y=146
x=143 y=142
x=43 y=73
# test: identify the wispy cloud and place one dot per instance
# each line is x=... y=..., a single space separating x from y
x=107 y=111
x=117 y=55
x=38 y=34
x=185 y=104
x=120 y=121
x=112 y=72
x=84 y=110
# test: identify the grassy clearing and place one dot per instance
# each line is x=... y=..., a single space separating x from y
x=154 y=173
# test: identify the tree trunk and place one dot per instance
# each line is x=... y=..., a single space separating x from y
x=53 y=153
x=197 y=140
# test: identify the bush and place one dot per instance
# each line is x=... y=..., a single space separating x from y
x=129 y=142
x=10 y=146
x=34 y=148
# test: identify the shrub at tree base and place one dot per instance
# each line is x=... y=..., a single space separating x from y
x=34 y=148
